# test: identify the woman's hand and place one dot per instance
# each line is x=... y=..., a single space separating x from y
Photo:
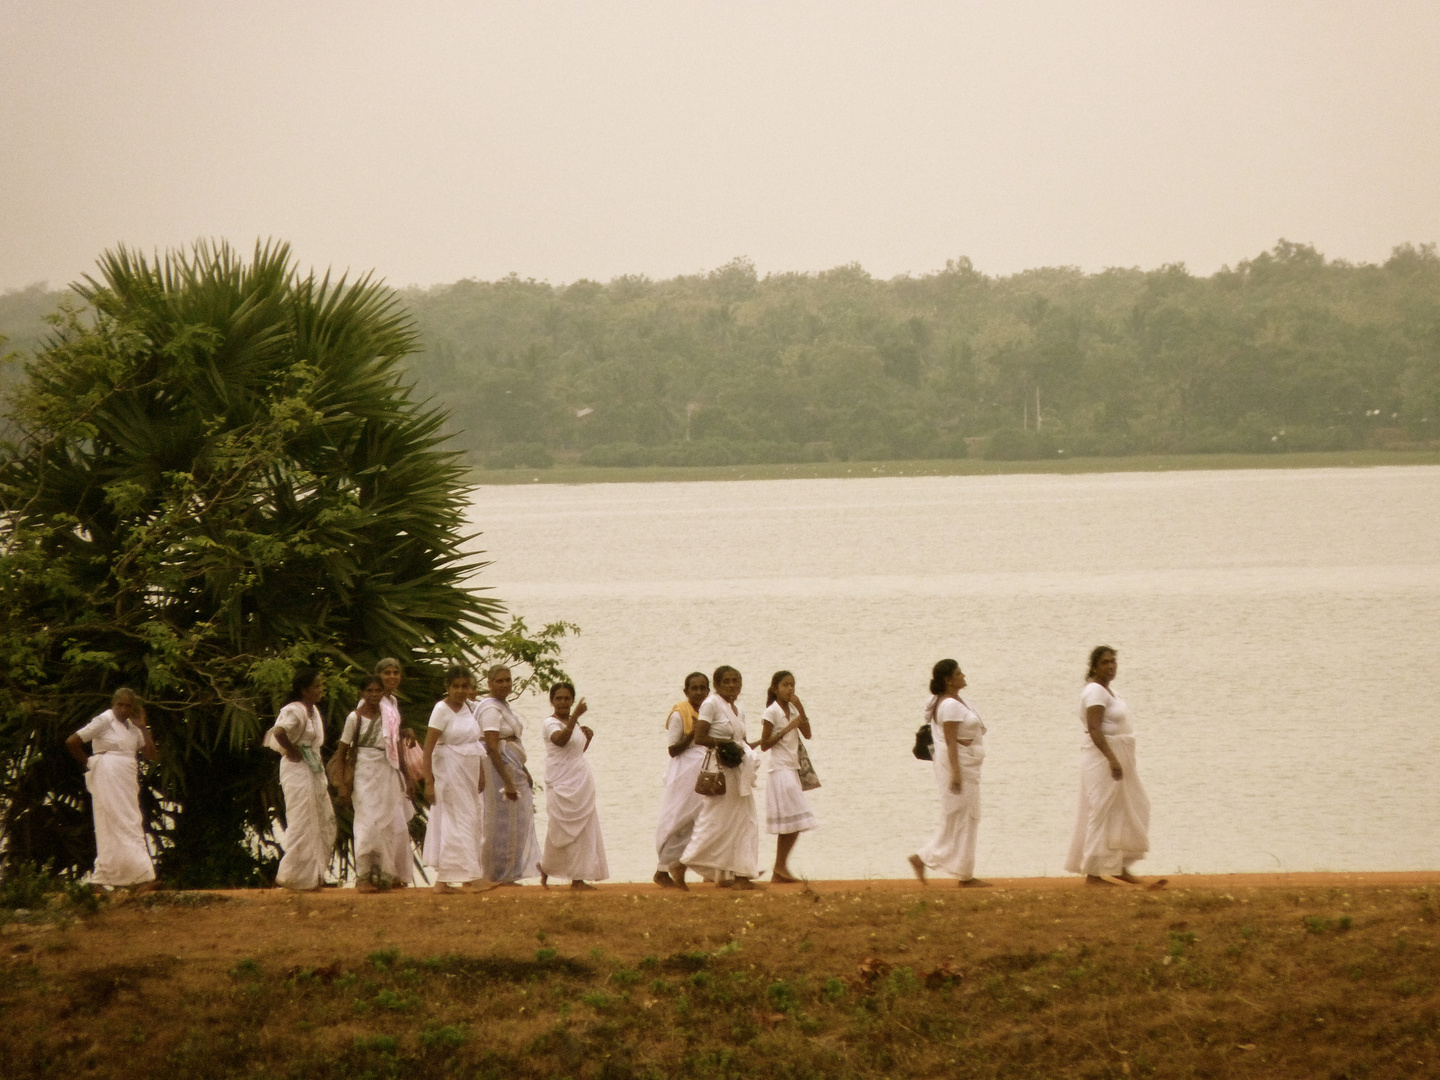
x=1116 y=772
x=956 y=787
x=579 y=709
x=511 y=795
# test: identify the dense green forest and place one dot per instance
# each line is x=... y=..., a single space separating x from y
x=1286 y=351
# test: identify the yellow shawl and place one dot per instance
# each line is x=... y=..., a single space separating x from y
x=687 y=715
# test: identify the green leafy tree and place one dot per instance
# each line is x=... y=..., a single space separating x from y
x=215 y=475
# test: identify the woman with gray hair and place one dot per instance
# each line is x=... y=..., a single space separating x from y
x=381 y=796
x=112 y=775
x=510 y=849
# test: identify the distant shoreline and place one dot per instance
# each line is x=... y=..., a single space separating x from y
x=824 y=470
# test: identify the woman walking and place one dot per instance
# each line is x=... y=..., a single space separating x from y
x=574 y=848
x=726 y=841
x=298 y=735
x=452 y=769
x=787 y=811
x=1112 y=826
x=959 y=751
x=112 y=776
x=381 y=795
x=510 y=850
x=681 y=804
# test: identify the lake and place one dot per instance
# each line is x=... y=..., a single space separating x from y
x=1276 y=630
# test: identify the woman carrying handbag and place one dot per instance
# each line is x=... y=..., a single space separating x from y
x=787 y=811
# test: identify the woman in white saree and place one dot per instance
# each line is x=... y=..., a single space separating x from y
x=112 y=776
x=726 y=841
x=959 y=751
x=298 y=735
x=1112 y=826
x=574 y=846
x=510 y=850
x=680 y=805
x=381 y=795
x=452 y=769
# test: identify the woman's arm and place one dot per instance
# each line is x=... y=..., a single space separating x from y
x=676 y=749
x=562 y=738
x=804 y=719
x=76 y=746
x=769 y=736
x=492 y=750
x=427 y=765
x=1094 y=717
x=702 y=733
x=952 y=754
x=150 y=750
x=589 y=735
x=292 y=752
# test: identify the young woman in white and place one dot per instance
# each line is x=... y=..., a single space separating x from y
x=112 y=775
x=382 y=838
x=1112 y=825
x=400 y=744
x=959 y=751
x=726 y=841
x=510 y=850
x=452 y=770
x=680 y=805
x=298 y=735
x=574 y=847
x=787 y=811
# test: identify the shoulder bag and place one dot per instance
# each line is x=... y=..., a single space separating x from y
x=808 y=780
x=711 y=780
x=924 y=748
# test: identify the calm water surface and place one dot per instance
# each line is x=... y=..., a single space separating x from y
x=1277 y=634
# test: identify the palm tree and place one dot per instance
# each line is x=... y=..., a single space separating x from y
x=220 y=474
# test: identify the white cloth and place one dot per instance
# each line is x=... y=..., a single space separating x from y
x=680 y=805
x=497 y=716
x=309 y=834
x=382 y=840
x=574 y=846
x=452 y=833
x=112 y=776
x=510 y=850
x=786 y=808
x=1112 y=822
x=726 y=838
x=952 y=849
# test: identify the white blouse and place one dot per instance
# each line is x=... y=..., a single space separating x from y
x=303 y=727
x=369 y=730
x=955 y=711
x=458 y=730
x=784 y=754
x=108 y=734
x=497 y=716
x=726 y=721
x=1117 y=714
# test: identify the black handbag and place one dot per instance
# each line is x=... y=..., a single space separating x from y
x=924 y=743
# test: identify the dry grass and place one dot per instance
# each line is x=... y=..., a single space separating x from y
x=1311 y=982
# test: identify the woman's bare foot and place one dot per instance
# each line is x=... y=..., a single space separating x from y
x=918 y=867
x=1158 y=884
x=1129 y=878
x=582 y=885
x=366 y=886
x=780 y=877
x=1097 y=879
x=677 y=876
x=443 y=887
x=544 y=877
x=743 y=883
x=664 y=880
x=974 y=883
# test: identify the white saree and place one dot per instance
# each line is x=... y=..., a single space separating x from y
x=574 y=846
x=680 y=805
x=382 y=838
x=112 y=776
x=952 y=849
x=452 y=834
x=510 y=850
x=1112 y=825
x=726 y=839
x=309 y=834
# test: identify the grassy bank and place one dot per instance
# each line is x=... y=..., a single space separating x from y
x=1299 y=980
x=583 y=474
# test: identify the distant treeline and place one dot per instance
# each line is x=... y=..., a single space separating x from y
x=1286 y=351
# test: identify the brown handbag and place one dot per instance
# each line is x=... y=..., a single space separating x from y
x=711 y=780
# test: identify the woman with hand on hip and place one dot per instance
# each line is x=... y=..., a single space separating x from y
x=112 y=776
x=382 y=839
x=452 y=769
x=726 y=841
x=574 y=847
x=510 y=850
x=680 y=806
x=1112 y=826
x=298 y=736
x=787 y=811
x=959 y=751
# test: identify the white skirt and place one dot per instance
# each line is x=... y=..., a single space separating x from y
x=309 y=836
x=121 y=856
x=952 y=849
x=786 y=808
x=679 y=808
x=574 y=845
x=382 y=840
x=1112 y=823
x=727 y=836
x=452 y=835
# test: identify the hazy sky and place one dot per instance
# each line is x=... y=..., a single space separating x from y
x=437 y=141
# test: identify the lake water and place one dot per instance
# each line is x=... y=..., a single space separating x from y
x=1276 y=630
